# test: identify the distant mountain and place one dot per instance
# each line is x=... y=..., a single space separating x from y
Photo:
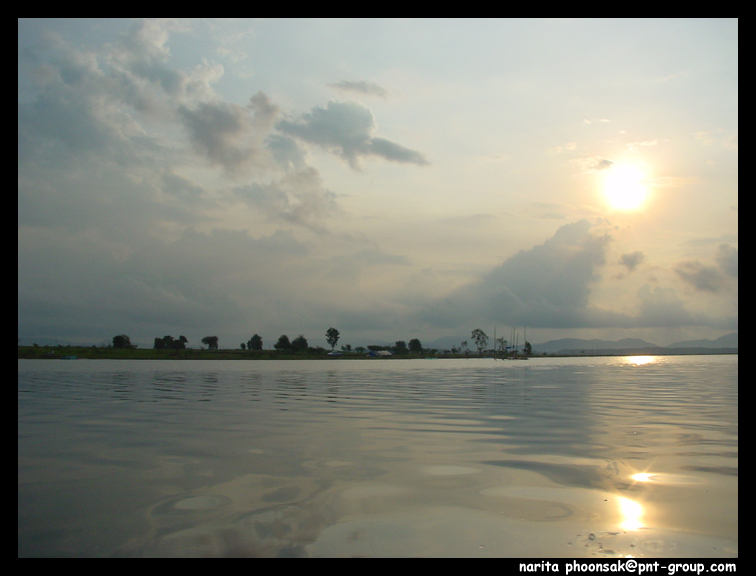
x=725 y=344
x=579 y=345
x=728 y=341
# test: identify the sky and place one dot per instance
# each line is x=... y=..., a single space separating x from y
x=394 y=179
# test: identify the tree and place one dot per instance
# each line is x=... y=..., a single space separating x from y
x=170 y=343
x=283 y=343
x=122 y=341
x=211 y=342
x=401 y=347
x=528 y=350
x=415 y=346
x=481 y=339
x=332 y=337
x=255 y=343
x=299 y=343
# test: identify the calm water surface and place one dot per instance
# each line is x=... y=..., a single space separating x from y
x=570 y=457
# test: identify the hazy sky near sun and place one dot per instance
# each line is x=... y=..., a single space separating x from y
x=395 y=179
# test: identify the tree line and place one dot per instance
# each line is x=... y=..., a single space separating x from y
x=501 y=346
x=254 y=343
x=299 y=344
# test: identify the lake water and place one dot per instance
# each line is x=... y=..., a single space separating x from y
x=550 y=457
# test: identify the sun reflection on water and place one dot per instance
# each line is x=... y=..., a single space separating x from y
x=631 y=512
x=641 y=360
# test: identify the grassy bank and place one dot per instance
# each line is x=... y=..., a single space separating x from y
x=110 y=353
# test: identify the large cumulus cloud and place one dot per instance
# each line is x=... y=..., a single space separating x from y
x=551 y=285
x=546 y=286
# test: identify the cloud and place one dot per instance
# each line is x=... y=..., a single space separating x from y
x=671 y=181
x=140 y=166
x=286 y=152
x=701 y=277
x=593 y=163
x=631 y=260
x=100 y=100
x=361 y=86
x=555 y=275
x=227 y=133
x=546 y=286
x=635 y=147
x=298 y=198
x=392 y=151
x=727 y=141
x=711 y=278
x=569 y=146
x=727 y=260
x=662 y=308
x=219 y=130
x=346 y=129
x=141 y=53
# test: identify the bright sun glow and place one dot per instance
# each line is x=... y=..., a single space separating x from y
x=624 y=187
x=641 y=477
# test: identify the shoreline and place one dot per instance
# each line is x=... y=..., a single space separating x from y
x=109 y=353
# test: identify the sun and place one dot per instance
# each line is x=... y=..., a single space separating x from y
x=624 y=187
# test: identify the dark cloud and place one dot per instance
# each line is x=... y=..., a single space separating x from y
x=218 y=130
x=711 y=278
x=361 y=86
x=632 y=260
x=700 y=276
x=228 y=133
x=264 y=109
x=346 y=129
